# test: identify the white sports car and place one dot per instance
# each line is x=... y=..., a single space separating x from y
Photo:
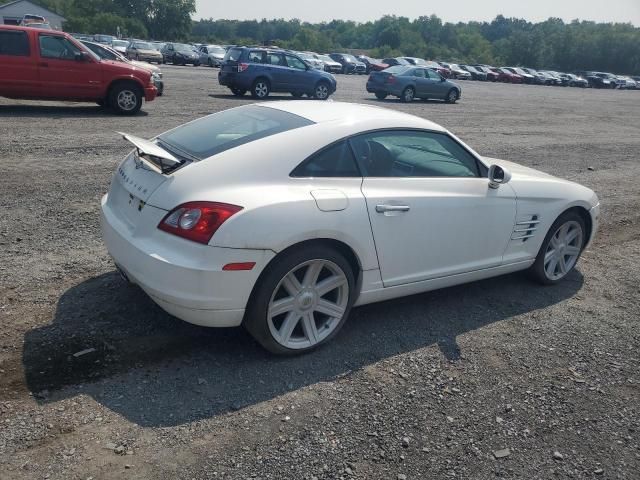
x=282 y=216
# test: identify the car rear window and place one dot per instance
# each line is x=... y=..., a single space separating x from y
x=233 y=55
x=225 y=130
x=14 y=43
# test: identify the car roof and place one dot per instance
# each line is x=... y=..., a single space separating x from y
x=33 y=29
x=328 y=111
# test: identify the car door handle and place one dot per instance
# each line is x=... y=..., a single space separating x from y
x=392 y=208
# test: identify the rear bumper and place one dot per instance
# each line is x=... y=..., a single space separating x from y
x=184 y=278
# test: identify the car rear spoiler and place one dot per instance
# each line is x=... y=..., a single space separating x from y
x=153 y=156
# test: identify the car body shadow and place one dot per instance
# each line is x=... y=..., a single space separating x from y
x=270 y=98
x=82 y=110
x=110 y=341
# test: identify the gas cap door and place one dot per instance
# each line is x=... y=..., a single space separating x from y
x=330 y=200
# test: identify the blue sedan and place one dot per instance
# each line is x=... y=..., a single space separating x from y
x=409 y=82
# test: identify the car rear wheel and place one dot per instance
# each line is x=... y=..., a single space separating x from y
x=381 y=96
x=321 y=92
x=260 y=89
x=238 y=92
x=408 y=94
x=302 y=300
x=452 y=96
x=560 y=249
x=126 y=98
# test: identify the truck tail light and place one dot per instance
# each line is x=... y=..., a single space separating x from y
x=197 y=221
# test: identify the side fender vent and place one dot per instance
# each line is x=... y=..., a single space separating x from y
x=526 y=229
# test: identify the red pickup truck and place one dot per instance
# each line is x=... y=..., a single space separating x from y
x=44 y=64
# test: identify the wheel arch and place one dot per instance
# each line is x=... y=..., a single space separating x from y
x=124 y=81
x=586 y=217
x=346 y=250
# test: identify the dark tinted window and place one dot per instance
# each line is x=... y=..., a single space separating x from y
x=433 y=75
x=334 y=161
x=295 y=62
x=419 y=72
x=57 y=47
x=14 y=43
x=233 y=55
x=408 y=153
x=255 y=56
x=225 y=130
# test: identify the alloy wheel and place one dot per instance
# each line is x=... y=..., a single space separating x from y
x=261 y=90
x=127 y=100
x=563 y=250
x=308 y=304
x=322 y=92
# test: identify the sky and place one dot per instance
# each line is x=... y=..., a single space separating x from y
x=448 y=10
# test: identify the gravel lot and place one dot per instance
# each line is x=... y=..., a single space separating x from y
x=500 y=378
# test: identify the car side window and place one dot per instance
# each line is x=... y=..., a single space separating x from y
x=14 y=43
x=255 y=57
x=433 y=75
x=56 y=46
x=296 y=63
x=412 y=153
x=419 y=72
x=275 y=59
x=334 y=161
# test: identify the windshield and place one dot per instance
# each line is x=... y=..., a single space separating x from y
x=216 y=49
x=181 y=47
x=520 y=71
x=142 y=46
x=350 y=58
x=326 y=58
x=225 y=130
x=396 y=70
x=120 y=43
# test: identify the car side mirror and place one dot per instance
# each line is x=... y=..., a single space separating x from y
x=498 y=176
x=81 y=56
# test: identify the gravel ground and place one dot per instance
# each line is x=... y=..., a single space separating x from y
x=500 y=378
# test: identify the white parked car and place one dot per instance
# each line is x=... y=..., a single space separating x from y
x=282 y=216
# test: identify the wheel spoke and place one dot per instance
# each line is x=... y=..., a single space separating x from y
x=555 y=243
x=309 y=326
x=329 y=308
x=281 y=306
x=549 y=255
x=288 y=326
x=329 y=284
x=564 y=230
x=571 y=250
x=572 y=235
x=291 y=284
x=562 y=265
x=551 y=268
x=312 y=273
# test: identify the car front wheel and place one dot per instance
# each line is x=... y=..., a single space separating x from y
x=452 y=96
x=126 y=99
x=321 y=92
x=381 y=96
x=560 y=249
x=301 y=301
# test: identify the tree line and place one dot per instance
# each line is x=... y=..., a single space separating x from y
x=552 y=44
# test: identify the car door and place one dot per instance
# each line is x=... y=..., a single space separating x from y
x=297 y=78
x=18 y=66
x=431 y=209
x=278 y=71
x=62 y=73
x=437 y=87
x=422 y=83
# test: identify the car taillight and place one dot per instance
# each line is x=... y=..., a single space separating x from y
x=391 y=79
x=197 y=221
x=242 y=67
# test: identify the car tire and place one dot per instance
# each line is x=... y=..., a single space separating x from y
x=238 y=92
x=381 y=96
x=321 y=91
x=313 y=327
x=452 y=96
x=560 y=246
x=408 y=94
x=126 y=98
x=260 y=88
